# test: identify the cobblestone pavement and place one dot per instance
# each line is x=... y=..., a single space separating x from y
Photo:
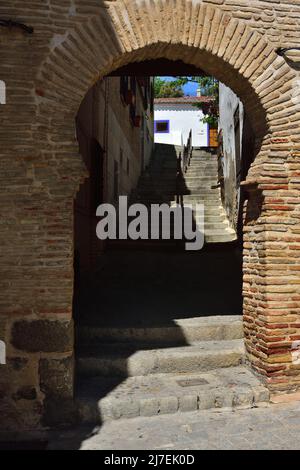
x=275 y=427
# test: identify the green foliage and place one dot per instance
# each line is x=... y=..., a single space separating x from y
x=167 y=89
x=209 y=86
x=211 y=120
x=158 y=83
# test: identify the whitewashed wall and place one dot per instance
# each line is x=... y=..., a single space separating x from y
x=229 y=102
x=182 y=117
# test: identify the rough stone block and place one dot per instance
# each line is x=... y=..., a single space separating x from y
x=59 y=411
x=126 y=409
x=188 y=403
x=3 y=328
x=43 y=336
x=57 y=377
x=168 y=405
x=206 y=401
x=149 y=407
x=25 y=393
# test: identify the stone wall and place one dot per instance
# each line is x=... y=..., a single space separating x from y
x=104 y=118
x=47 y=74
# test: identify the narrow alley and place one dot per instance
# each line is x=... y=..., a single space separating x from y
x=150 y=224
x=156 y=321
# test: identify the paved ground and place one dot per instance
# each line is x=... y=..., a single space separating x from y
x=276 y=428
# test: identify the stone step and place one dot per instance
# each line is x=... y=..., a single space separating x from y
x=224 y=231
x=165 y=188
x=197 y=192
x=192 y=173
x=211 y=218
x=187 y=330
x=105 y=399
x=205 y=155
x=202 y=168
x=225 y=238
x=206 y=165
x=200 y=176
x=214 y=204
x=201 y=172
x=182 y=189
x=210 y=226
x=203 y=195
x=211 y=176
x=203 y=161
x=121 y=360
x=213 y=226
x=200 y=182
x=211 y=206
x=205 y=186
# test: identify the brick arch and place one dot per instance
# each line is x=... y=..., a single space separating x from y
x=228 y=48
x=201 y=35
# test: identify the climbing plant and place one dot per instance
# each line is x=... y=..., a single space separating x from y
x=209 y=86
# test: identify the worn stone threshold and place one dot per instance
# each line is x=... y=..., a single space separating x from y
x=100 y=399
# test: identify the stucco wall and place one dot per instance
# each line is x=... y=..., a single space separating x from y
x=103 y=116
x=182 y=118
x=229 y=104
x=121 y=134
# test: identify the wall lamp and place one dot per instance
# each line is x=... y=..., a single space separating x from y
x=14 y=24
x=283 y=50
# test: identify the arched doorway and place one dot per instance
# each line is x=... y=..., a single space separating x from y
x=241 y=57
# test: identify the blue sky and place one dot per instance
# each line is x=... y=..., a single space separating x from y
x=189 y=89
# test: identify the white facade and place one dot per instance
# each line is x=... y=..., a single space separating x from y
x=181 y=118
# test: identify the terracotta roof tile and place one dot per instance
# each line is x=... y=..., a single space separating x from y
x=184 y=100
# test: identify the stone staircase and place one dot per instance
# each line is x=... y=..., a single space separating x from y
x=138 y=360
x=200 y=186
x=193 y=364
x=159 y=184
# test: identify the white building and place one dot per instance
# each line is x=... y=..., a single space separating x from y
x=175 y=117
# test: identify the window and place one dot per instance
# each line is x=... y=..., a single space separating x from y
x=162 y=127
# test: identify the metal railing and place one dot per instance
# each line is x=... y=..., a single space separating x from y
x=183 y=162
x=187 y=153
